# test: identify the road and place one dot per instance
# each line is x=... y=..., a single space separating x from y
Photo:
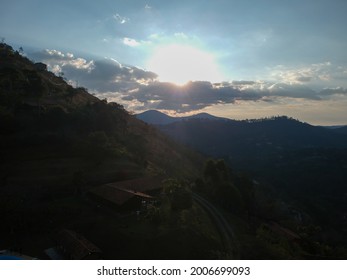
x=224 y=228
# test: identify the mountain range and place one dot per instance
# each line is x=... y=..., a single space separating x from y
x=158 y=118
x=238 y=139
x=271 y=149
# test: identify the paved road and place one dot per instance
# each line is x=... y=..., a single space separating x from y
x=222 y=224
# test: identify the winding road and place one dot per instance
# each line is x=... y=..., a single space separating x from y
x=224 y=228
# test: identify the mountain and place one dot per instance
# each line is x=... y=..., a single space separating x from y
x=257 y=138
x=287 y=153
x=342 y=130
x=158 y=118
x=155 y=117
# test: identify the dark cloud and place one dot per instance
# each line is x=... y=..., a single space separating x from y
x=332 y=91
x=294 y=91
x=190 y=97
x=304 y=79
x=198 y=95
x=243 y=83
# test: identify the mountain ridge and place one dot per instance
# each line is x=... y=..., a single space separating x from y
x=158 y=118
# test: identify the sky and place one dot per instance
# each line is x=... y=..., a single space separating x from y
x=231 y=58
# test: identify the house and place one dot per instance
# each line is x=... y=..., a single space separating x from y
x=128 y=195
x=283 y=232
x=75 y=246
x=149 y=185
x=120 y=199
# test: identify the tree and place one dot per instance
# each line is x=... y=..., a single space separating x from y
x=179 y=195
x=217 y=171
x=219 y=184
x=98 y=146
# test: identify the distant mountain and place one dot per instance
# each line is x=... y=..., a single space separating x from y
x=245 y=140
x=342 y=130
x=333 y=126
x=155 y=117
x=158 y=118
x=251 y=138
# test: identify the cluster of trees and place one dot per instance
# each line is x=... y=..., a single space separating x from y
x=176 y=197
x=231 y=191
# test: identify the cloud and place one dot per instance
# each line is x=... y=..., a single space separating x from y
x=319 y=73
x=292 y=90
x=130 y=42
x=333 y=91
x=199 y=95
x=99 y=76
x=58 y=60
x=138 y=89
x=120 y=19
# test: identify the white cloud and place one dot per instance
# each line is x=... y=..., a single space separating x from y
x=318 y=73
x=105 y=75
x=131 y=42
x=120 y=19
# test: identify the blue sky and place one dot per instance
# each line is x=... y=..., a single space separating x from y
x=245 y=59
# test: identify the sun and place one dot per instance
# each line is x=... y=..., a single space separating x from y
x=180 y=64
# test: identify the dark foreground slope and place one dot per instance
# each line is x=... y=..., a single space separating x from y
x=47 y=124
x=58 y=142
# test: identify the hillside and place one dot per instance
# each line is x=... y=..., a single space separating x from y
x=295 y=165
x=57 y=143
x=47 y=121
x=273 y=149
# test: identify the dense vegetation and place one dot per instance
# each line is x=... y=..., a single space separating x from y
x=299 y=172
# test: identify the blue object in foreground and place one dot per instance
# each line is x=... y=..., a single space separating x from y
x=9 y=257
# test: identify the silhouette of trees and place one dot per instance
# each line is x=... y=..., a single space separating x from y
x=231 y=191
x=179 y=195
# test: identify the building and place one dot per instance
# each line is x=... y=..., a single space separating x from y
x=71 y=245
x=145 y=185
x=122 y=200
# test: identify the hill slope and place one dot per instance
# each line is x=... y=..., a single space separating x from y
x=51 y=132
x=42 y=112
x=57 y=143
